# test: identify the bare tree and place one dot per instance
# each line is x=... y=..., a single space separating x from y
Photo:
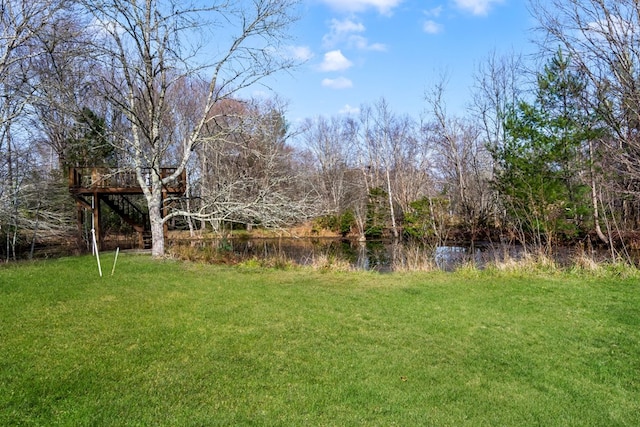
x=464 y=164
x=20 y=24
x=251 y=176
x=383 y=141
x=330 y=143
x=62 y=85
x=150 y=47
x=499 y=84
x=21 y=21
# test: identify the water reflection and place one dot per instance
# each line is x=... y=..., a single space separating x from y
x=449 y=257
x=378 y=255
x=363 y=256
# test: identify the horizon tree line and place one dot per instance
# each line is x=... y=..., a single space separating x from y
x=547 y=152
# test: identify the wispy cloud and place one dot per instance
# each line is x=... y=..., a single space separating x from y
x=432 y=27
x=300 y=53
x=362 y=43
x=346 y=26
x=348 y=32
x=476 y=7
x=338 y=83
x=434 y=12
x=348 y=109
x=382 y=6
x=341 y=30
x=335 y=61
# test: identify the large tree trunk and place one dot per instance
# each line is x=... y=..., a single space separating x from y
x=153 y=196
x=154 y=202
x=157 y=230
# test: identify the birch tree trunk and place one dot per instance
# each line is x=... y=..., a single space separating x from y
x=594 y=197
x=157 y=224
x=394 y=228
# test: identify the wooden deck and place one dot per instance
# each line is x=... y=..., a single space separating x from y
x=121 y=192
x=89 y=181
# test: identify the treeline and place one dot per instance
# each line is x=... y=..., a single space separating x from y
x=538 y=167
x=547 y=152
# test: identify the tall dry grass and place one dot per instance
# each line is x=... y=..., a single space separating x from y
x=413 y=258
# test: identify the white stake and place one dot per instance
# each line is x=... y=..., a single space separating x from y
x=115 y=260
x=95 y=247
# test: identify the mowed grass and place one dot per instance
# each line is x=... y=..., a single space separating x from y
x=179 y=344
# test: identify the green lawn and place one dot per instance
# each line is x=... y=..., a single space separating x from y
x=179 y=344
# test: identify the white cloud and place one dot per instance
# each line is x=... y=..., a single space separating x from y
x=435 y=12
x=383 y=6
x=346 y=26
x=432 y=27
x=300 y=53
x=339 y=31
x=339 y=83
x=335 y=61
x=346 y=32
x=477 y=7
x=362 y=43
x=348 y=109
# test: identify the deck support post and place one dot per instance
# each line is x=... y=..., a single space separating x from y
x=97 y=219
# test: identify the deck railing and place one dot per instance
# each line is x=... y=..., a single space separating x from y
x=109 y=178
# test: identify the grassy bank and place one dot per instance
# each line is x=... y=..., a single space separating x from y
x=179 y=344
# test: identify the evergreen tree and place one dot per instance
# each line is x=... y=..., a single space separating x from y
x=541 y=165
x=89 y=145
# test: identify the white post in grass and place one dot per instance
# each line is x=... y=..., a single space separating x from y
x=95 y=248
x=115 y=260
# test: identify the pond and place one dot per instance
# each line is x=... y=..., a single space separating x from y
x=378 y=255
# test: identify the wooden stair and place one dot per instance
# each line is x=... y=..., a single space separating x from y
x=125 y=207
x=118 y=189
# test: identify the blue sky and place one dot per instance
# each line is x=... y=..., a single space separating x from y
x=357 y=51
